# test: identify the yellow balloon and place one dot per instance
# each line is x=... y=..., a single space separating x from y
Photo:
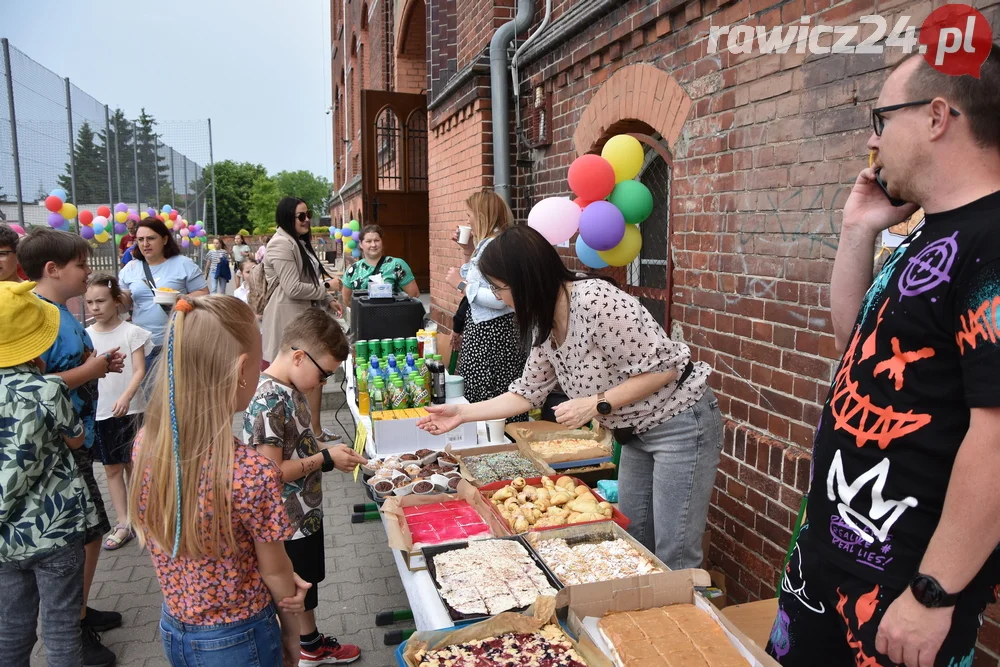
x=626 y=250
x=68 y=211
x=102 y=237
x=169 y=223
x=625 y=154
x=121 y=216
x=143 y=215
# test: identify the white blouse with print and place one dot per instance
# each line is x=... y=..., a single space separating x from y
x=612 y=337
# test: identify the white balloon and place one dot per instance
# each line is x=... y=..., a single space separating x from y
x=556 y=218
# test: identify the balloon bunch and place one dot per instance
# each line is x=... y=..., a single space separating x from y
x=350 y=235
x=608 y=207
x=96 y=227
x=60 y=210
x=190 y=234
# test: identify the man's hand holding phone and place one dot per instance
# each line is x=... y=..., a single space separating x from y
x=870 y=206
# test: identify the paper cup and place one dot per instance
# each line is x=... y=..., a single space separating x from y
x=164 y=297
x=464 y=234
x=494 y=429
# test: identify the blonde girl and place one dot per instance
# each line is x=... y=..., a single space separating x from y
x=120 y=404
x=208 y=507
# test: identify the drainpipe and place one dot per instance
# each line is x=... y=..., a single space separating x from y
x=498 y=94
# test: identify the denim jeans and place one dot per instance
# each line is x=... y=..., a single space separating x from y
x=253 y=642
x=665 y=482
x=218 y=285
x=54 y=582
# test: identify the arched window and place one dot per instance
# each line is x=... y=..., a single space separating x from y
x=388 y=135
x=416 y=150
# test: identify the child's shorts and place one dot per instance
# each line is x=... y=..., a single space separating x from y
x=113 y=444
x=309 y=562
x=84 y=459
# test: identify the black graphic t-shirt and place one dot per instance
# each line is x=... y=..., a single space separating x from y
x=924 y=350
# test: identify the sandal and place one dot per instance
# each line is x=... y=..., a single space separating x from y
x=327 y=436
x=115 y=539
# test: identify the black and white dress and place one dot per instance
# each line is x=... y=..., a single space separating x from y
x=491 y=358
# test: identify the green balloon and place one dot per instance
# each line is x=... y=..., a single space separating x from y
x=354 y=225
x=634 y=200
x=118 y=238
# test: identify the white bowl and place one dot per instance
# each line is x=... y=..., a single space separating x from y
x=165 y=298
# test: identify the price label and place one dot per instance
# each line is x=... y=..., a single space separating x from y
x=360 y=440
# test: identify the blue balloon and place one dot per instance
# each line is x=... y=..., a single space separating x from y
x=167 y=208
x=588 y=255
x=333 y=230
x=59 y=192
x=356 y=253
x=347 y=231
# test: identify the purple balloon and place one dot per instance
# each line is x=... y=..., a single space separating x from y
x=185 y=243
x=151 y=212
x=121 y=208
x=356 y=236
x=202 y=232
x=56 y=220
x=120 y=228
x=86 y=232
x=602 y=225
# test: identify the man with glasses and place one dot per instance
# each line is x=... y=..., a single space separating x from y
x=899 y=558
x=8 y=255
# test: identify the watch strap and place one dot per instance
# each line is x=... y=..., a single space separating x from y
x=328 y=463
x=928 y=591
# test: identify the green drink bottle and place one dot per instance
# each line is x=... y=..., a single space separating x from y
x=377 y=396
x=421 y=398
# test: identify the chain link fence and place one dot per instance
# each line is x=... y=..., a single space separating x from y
x=55 y=135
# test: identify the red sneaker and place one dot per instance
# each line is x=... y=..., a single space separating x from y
x=330 y=652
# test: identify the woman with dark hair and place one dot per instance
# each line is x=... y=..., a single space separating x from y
x=391 y=269
x=159 y=263
x=299 y=282
x=618 y=366
x=491 y=354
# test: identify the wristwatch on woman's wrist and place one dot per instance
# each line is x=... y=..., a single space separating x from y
x=328 y=463
x=603 y=407
x=461 y=286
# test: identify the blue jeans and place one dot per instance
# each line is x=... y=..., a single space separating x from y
x=253 y=642
x=151 y=359
x=665 y=482
x=218 y=285
x=53 y=581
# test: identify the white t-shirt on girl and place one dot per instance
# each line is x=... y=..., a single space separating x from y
x=128 y=338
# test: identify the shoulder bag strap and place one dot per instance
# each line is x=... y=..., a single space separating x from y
x=151 y=284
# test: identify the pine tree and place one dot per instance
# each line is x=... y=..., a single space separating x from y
x=123 y=159
x=152 y=165
x=91 y=170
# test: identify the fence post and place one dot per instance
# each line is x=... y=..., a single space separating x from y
x=187 y=198
x=173 y=183
x=118 y=164
x=135 y=162
x=13 y=133
x=107 y=158
x=72 y=146
x=211 y=159
x=156 y=169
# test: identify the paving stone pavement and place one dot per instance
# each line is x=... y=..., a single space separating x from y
x=361 y=578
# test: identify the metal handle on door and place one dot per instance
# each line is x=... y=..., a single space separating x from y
x=374 y=209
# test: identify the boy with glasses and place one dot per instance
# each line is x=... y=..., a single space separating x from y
x=8 y=255
x=278 y=423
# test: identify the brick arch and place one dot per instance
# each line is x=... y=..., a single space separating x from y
x=643 y=93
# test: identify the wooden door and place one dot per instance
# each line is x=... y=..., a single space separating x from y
x=394 y=175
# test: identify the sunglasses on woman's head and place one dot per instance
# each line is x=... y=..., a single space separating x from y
x=302 y=217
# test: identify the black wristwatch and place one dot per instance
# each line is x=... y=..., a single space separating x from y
x=603 y=406
x=328 y=464
x=461 y=286
x=929 y=592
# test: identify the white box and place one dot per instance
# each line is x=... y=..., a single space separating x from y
x=401 y=436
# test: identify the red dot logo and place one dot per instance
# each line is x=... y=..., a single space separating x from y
x=956 y=39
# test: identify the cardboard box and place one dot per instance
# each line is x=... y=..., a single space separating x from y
x=754 y=619
x=395 y=433
x=398 y=532
x=588 y=603
x=530 y=432
x=539 y=615
x=522 y=448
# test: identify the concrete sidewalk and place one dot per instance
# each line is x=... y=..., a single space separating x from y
x=361 y=577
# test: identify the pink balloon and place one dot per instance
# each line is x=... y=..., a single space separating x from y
x=17 y=229
x=556 y=218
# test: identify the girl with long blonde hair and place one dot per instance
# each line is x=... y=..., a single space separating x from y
x=490 y=357
x=208 y=507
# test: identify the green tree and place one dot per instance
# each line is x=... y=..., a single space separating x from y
x=305 y=185
x=91 y=170
x=122 y=156
x=264 y=198
x=234 y=183
x=153 y=168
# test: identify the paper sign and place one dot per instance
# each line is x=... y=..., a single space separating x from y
x=360 y=440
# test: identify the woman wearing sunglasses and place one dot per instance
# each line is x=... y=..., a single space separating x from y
x=299 y=282
x=617 y=365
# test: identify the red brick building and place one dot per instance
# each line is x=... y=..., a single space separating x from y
x=750 y=158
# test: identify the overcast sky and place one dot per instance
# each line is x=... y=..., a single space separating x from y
x=258 y=68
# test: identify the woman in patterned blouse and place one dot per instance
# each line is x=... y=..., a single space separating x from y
x=618 y=366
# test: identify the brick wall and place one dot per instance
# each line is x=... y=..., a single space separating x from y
x=442 y=47
x=411 y=61
x=761 y=168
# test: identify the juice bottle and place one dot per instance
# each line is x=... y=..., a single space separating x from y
x=364 y=402
x=420 y=398
x=377 y=397
x=401 y=400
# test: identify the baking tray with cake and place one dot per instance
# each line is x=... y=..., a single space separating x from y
x=488 y=577
x=543 y=503
x=586 y=553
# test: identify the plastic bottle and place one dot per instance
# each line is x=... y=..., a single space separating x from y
x=437 y=382
x=375 y=372
x=420 y=398
x=430 y=346
x=362 y=385
x=364 y=402
x=421 y=339
x=377 y=397
x=425 y=371
x=402 y=401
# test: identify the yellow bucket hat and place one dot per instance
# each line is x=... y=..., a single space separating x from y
x=28 y=325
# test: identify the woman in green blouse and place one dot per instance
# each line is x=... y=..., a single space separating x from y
x=392 y=269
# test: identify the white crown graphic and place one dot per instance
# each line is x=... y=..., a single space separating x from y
x=880 y=507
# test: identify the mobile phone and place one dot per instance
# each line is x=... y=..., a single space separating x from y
x=892 y=200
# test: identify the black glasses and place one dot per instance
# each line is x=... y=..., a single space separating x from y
x=302 y=217
x=878 y=120
x=324 y=374
x=496 y=290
